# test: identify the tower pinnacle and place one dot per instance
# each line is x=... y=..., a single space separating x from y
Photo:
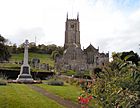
x=67 y=15
x=78 y=16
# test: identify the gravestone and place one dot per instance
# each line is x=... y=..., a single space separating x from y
x=35 y=62
x=25 y=75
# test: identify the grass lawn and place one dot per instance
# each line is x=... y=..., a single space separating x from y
x=9 y=66
x=67 y=91
x=44 y=58
x=21 y=96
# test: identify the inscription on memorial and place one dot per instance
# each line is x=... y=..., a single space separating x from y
x=25 y=70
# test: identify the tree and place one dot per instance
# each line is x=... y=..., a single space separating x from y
x=131 y=57
x=33 y=47
x=55 y=54
x=14 y=48
x=60 y=49
x=51 y=48
x=20 y=49
x=4 y=52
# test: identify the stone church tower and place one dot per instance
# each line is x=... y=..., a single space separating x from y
x=74 y=58
x=72 y=32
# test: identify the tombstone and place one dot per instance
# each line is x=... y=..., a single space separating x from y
x=43 y=66
x=47 y=67
x=25 y=75
x=35 y=62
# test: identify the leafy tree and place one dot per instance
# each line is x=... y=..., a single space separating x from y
x=55 y=54
x=42 y=49
x=60 y=49
x=20 y=49
x=4 y=52
x=51 y=48
x=131 y=57
x=33 y=47
x=13 y=48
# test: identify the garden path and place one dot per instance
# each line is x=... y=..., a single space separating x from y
x=58 y=99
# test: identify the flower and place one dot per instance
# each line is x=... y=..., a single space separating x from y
x=86 y=94
x=84 y=100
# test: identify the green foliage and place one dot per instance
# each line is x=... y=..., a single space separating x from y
x=118 y=84
x=33 y=48
x=3 y=80
x=71 y=81
x=4 y=52
x=86 y=95
x=129 y=56
x=56 y=83
x=70 y=72
x=54 y=55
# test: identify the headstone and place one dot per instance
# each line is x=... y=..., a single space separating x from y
x=35 y=62
x=25 y=75
x=44 y=66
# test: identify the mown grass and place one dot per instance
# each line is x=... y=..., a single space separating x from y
x=67 y=91
x=16 y=58
x=44 y=58
x=21 y=96
x=9 y=66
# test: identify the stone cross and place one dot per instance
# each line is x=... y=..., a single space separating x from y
x=26 y=45
x=25 y=75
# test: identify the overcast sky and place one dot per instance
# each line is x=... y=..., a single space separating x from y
x=113 y=25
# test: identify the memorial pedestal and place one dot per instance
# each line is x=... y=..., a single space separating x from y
x=25 y=75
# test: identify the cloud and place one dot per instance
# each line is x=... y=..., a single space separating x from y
x=112 y=28
x=113 y=25
x=33 y=34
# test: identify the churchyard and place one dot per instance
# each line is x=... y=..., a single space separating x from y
x=60 y=93
x=107 y=90
x=16 y=60
x=115 y=85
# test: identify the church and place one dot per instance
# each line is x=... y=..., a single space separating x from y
x=75 y=58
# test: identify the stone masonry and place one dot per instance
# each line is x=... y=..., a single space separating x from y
x=74 y=57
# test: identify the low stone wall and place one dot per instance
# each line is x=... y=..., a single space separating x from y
x=13 y=74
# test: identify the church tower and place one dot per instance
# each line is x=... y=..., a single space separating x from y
x=72 y=32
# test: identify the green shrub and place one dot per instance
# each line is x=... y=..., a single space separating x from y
x=2 y=81
x=70 y=73
x=56 y=82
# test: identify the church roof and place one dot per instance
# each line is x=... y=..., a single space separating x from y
x=91 y=48
x=74 y=47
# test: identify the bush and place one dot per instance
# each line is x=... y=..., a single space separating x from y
x=56 y=82
x=2 y=81
x=70 y=73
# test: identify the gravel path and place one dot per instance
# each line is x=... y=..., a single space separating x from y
x=58 y=99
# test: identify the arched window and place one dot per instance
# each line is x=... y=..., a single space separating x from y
x=97 y=60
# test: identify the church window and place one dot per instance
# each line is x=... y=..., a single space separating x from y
x=92 y=58
x=73 y=57
x=97 y=61
x=72 y=26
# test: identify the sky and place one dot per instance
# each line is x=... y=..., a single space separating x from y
x=113 y=25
